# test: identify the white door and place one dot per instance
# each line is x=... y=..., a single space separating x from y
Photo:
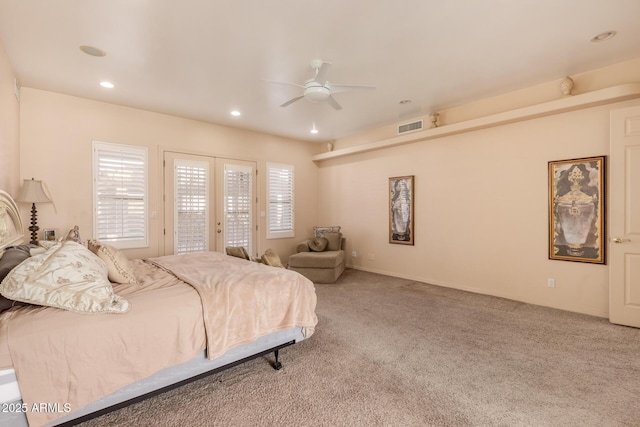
x=209 y=204
x=624 y=218
x=189 y=199
x=236 y=204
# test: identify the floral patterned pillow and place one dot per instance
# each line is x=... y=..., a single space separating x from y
x=319 y=231
x=67 y=276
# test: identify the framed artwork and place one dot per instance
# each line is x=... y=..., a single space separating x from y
x=49 y=234
x=576 y=210
x=401 y=218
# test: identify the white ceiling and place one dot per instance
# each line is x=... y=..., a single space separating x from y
x=202 y=58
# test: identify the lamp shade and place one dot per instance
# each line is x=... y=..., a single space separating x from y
x=32 y=192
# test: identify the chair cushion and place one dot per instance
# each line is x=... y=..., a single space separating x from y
x=326 y=259
x=334 y=241
x=303 y=246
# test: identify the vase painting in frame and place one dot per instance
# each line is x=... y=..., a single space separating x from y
x=576 y=210
x=401 y=202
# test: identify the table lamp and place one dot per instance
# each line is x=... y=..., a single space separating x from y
x=33 y=192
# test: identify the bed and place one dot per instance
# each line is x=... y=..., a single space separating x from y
x=92 y=344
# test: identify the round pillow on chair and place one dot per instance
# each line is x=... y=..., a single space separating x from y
x=318 y=244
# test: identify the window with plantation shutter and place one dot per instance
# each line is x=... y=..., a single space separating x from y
x=120 y=195
x=280 y=201
x=238 y=202
x=191 y=216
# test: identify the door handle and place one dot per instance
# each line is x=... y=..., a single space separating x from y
x=619 y=240
x=219 y=231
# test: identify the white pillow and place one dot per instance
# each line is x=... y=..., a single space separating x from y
x=67 y=276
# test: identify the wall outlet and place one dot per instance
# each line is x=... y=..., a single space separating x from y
x=354 y=254
x=551 y=283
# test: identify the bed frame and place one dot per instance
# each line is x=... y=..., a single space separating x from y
x=170 y=378
x=195 y=369
x=12 y=233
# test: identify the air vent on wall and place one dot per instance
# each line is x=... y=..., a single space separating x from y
x=409 y=127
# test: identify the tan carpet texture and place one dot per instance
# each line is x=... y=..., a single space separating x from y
x=394 y=352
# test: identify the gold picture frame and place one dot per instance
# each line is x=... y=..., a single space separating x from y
x=576 y=210
x=401 y=210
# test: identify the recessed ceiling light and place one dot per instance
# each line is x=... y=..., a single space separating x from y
x=92 y=50
x=108 y=85
x=235 y=113
x=603 y=36
x=313 y=129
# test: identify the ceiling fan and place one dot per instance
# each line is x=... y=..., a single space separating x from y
x=318 y=89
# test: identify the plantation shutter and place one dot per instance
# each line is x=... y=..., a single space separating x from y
x=238 y=200
x=120 y=195
x=280 y=219
x=191 y=216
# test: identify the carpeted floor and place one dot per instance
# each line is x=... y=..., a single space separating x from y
x=393 y=352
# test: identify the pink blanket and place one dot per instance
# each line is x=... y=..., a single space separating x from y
x=243 y=300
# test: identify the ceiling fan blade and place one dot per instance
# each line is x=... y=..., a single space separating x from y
x=291 y=101
x=282 y=83
x=334 y=103
x=321 y=74
x=337 y=88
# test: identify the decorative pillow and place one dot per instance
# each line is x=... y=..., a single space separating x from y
x=68 y=276
x=271 y=258
x=318 y=244
x=74 y=235
x=5 y=304
x=319 y=231
x=116 y=261
x=11 y=258
x=237 y=251
x=334 y=241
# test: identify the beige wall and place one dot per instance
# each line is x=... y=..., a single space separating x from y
x=617 y=74
x=9 y=128
x=481 y=197
x=481 y=207
x=56 y=138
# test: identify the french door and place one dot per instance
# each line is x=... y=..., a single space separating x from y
x=209 y=203
x=235 y=207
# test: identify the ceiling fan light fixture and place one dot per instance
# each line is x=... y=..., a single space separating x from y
x=317 y=93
